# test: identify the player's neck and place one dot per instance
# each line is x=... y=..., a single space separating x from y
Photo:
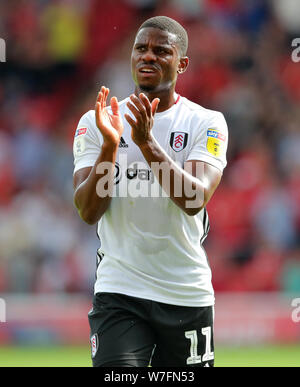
x=167 y=98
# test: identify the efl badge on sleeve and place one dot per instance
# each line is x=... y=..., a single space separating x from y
x=215 y=142
x=79 y=141
x=178 y=141
x=94 y=345
x=80 y=132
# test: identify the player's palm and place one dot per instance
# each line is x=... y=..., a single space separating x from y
x=110 y=125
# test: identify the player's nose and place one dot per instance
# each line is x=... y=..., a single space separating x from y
x=148 y=56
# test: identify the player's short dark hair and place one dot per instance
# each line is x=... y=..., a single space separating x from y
x=165 y=23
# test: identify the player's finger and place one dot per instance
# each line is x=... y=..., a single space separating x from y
x=101 y=90
x=130 y=121
x=147 y=103
x=139 y=105
x=114 y=106
x=101 y=98
x=134 y=110
x=97 y=112
x=154 y=105
x=98 y=100
x=105 y=95
x=98 y=97
x=106 y=92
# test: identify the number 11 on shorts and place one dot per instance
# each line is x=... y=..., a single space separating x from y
x=194 y=358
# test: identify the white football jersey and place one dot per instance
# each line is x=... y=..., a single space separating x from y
x=149 y=247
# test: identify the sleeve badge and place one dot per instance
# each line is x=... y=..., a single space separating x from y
x=215 y=142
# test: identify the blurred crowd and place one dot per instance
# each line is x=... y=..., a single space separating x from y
x=60 y=52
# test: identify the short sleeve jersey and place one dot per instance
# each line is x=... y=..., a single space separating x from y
x=150 y=248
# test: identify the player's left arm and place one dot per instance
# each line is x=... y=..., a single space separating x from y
x=191 y=187
x=208 y=178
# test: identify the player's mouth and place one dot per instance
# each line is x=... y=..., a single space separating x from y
x=147 y=70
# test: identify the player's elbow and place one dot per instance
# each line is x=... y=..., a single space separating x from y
x=88 y=217
x=92 y=214
x=86 y=213
x=192 y=211
x=194 y=206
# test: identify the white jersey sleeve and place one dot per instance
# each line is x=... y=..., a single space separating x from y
x=210 y=144
x=87 y=142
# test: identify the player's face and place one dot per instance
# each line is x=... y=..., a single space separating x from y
x=155 y=60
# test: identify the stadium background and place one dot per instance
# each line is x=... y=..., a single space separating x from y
x=59 y=53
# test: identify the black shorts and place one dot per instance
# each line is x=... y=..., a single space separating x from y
x=134 y=332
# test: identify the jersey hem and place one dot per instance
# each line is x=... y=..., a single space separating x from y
x=159 y=299
x=87 y=164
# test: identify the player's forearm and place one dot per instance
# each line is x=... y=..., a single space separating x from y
x=93 y=196
x=185 y=190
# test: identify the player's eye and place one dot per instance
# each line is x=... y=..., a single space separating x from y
x=140 y=48
x=162 y=51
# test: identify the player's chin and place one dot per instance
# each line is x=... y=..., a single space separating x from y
x=148 y=84
x=147 y=87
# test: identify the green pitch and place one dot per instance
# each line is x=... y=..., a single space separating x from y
x=270 y=356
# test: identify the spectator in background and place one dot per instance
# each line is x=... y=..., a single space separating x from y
x=274 y=217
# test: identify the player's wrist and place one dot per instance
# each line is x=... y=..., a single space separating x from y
x=148 y=144
x=110 y=146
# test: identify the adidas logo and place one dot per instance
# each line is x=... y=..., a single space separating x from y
x=123 y=143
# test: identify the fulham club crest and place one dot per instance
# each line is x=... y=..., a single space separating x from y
x=94 y=345
x=178 y=141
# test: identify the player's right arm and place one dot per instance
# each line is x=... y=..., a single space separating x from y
x=92 y=204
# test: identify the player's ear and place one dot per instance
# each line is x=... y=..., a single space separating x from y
x=183 y=64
